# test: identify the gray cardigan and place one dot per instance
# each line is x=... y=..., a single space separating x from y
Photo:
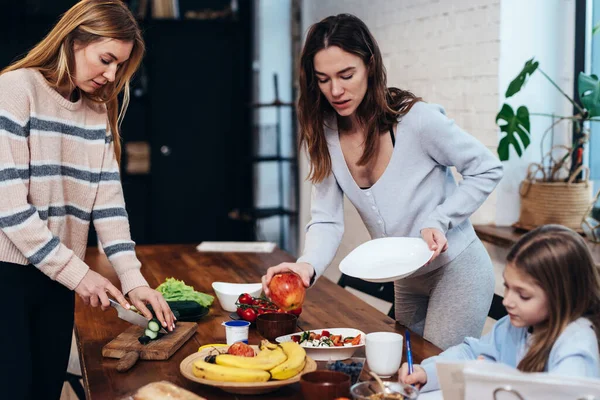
x=416 y=191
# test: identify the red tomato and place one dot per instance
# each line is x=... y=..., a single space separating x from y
x=297 y=311
x=295 y=338
x=249 y=315
x=245 y=298
x=239 y=312
x=325 y=333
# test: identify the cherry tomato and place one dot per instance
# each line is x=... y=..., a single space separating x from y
x=325 y=333
x=256 y=302
x=245 y=298
x=297 y=311
x=239 y=311
x=249 y=315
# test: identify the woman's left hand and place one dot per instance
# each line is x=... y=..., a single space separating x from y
x=436 y=241
x=142 y=295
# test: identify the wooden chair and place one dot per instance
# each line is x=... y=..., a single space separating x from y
x=497 y=310
x=383 y=291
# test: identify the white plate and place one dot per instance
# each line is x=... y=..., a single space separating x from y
x=329 y=353
x=386 y=259
x=228 y=293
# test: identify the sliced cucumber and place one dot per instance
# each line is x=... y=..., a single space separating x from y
x=150 y=333
x=144 y=339
x=153 y=325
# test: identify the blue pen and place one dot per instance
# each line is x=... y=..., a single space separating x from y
x=409 y=353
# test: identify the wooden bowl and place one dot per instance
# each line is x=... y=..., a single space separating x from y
x=186 y=368
x=273 y=325
x=325 y=385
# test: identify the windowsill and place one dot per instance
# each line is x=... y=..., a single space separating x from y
x=506 y=236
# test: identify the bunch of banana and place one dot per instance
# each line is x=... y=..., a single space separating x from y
x=279 y=362
x=215 y=372
x=296 y=359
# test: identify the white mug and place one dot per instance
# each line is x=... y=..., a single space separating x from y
x=384 y=352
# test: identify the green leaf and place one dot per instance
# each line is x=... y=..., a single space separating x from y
x=588 y=87
x=513 y=125
x=519 y=81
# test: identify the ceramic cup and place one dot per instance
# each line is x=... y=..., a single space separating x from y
x=384 y=352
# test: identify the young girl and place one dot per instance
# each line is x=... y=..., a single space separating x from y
x=59 y=152
x=390 y=154
x=552 y=297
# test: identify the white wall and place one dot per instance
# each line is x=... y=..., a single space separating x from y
x=444 y=51
x=543 y=29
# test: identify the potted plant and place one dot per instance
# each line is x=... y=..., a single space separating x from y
x=557 y=189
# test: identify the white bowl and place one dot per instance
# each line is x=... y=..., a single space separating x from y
x=386 y=259
x=329 y=353
x=228 y=293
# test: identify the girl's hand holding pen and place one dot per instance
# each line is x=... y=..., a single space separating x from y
x=418 y=378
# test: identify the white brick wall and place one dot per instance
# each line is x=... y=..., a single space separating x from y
x=445 y=51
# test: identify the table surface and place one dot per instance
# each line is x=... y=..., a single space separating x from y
x=506 y=236
x=327 y=305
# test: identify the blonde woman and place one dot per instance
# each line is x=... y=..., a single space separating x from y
x=59 y=153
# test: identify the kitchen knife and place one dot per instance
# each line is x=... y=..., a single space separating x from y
x=131 y=316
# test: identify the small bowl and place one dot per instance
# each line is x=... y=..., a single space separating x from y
x=228 y=293
x=325 y=385
x=273 y=325
x=364 y=390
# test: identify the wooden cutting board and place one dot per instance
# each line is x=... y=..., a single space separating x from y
x=160 y=349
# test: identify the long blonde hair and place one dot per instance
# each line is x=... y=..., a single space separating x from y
x=561 y=264
x=86 y=22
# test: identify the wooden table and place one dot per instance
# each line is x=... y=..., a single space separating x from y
x=506 y=236
x=327 y=305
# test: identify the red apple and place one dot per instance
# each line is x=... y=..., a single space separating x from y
x=287 y=291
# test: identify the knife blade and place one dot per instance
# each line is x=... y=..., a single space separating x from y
x=131 y=316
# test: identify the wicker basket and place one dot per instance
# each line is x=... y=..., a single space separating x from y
x=564 y=203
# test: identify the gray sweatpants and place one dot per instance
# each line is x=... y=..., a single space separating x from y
x=451 y=302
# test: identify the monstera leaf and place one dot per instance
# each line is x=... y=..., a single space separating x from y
x=519 y=81
x=513 y=124
x=588 y=87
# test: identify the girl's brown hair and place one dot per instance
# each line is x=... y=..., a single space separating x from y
x=378 y=111
x=561 y=264
x=86 y=22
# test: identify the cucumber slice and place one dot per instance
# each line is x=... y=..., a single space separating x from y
x=150 y=333
x=153 y=325
x=144 y=339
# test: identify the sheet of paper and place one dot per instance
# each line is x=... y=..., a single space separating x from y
x=245 y=247
x=451 y=377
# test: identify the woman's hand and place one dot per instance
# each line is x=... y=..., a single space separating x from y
x=418 y=378
x=304 y=270
x=436 y=241
x=93 y=290
x=142 y=295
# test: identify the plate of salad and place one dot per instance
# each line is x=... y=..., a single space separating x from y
x=328 y=344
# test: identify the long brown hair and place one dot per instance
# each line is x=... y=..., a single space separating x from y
x=378 y=111
x=561 y=264
x=87 y=22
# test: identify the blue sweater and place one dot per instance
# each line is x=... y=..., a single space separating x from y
x=575 y=352
x=417 y=189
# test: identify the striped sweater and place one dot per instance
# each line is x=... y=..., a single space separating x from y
x=58 y=172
